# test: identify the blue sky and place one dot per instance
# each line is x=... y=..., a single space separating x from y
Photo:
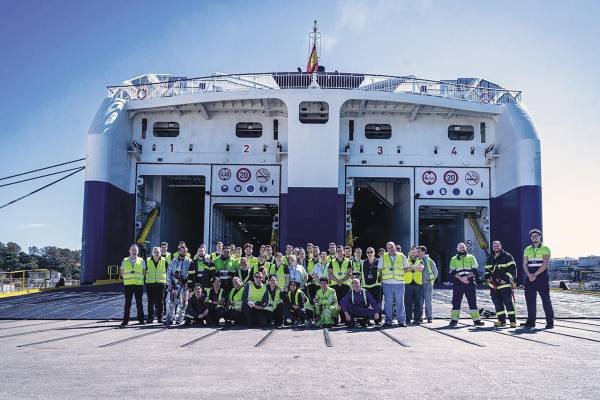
x=56 y=58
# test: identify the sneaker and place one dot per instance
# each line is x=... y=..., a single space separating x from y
x=499 y=324
x=453 y=323
x=513 y=324
x=417 y=322
x=187 y=322
x=387 y=324
x=123 y=325
x=528 y=324
x=478 y=323
x=295 y=324
x=402 y=324
x=309 y=324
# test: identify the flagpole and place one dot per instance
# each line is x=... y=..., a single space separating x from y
x=314 y=84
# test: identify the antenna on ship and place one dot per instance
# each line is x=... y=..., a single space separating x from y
x=314 y=43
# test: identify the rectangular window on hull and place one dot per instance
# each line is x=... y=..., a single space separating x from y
x=378 y=131
x=144 y=127
x=461 y=132
x=314 y=112
x=248 y=129
x=165 y=129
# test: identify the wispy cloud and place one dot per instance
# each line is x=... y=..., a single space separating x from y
x=30 y=226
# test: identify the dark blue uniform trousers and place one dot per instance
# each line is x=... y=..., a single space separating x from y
x=539 y=285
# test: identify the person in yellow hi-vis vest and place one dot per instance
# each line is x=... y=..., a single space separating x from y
x=133 y=269
x=392 y=265
x=156 y=277
x=413 y=282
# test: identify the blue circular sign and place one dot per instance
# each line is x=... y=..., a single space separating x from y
x=250 y=188
x=456 y=191
x=237 y=188
x=443 y=191
x=263 y=189
x=470 y=192
x=224 y=188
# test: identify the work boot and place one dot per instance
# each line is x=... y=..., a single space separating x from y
x=499 y=324
x=453 y=323
x=123 y=324
x=550 y=325
x=429 y=320
x=513 y=324
x=142 y=322
x=478 y=323
x=528 y=324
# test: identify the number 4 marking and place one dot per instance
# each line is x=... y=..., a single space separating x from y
x=454 y=151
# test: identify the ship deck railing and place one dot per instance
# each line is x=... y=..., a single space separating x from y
x=323 y=80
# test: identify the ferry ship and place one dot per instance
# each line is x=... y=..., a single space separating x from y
x=316 y=156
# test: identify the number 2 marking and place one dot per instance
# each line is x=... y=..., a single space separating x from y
x=246 y=148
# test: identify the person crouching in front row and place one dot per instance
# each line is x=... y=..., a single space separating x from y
x=254 y=299
x=359 y=304
x=196 y=309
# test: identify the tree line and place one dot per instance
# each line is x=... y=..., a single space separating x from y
x=65 y=261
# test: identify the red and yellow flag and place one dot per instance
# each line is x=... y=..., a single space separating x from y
x=313 y=61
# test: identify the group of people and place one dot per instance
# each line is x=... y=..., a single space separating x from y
x=323 y=288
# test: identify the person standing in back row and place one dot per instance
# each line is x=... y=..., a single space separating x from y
x=430 y=274
x=133 y=269
x=392 y=265
x=535 y=264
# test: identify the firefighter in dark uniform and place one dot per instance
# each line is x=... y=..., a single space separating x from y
x=500 y=273
x=464 y=274
x=201 y=269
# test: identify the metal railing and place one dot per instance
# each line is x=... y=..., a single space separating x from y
x=325 y=80
x=28 y=280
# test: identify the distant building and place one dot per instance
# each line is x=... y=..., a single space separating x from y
x=592 y=262
x=565 y=262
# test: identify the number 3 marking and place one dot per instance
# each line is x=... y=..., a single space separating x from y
x=379 y=149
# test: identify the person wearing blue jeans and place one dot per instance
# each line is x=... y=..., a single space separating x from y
x=392 y=265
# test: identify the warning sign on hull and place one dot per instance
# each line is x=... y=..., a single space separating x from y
x=455 y=183
x=245 y=180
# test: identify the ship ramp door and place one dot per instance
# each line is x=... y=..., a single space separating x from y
x=442 y=227
x=378 y=210
x=247 y=222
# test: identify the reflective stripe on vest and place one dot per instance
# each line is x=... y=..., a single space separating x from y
x=364 y=293
x=235 y=297
x=156 y=273
x=377 y=277
x=395 y=271
x=133 y=274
